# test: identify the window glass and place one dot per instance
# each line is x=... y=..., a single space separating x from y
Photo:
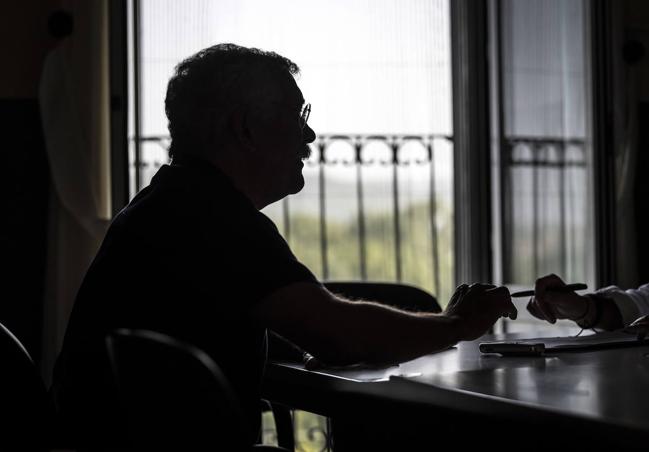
x=547 y=215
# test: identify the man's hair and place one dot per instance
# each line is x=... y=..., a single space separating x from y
x=206 y=88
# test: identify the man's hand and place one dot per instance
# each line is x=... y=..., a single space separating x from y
x=552 y=305
x=477 y=307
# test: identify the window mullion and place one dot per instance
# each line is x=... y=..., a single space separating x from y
x=471 y=143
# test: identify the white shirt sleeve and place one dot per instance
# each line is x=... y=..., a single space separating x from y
x=632 y=303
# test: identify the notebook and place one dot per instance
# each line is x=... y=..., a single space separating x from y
x=545 y=345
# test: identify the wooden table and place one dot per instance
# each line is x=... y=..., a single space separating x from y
x=596 y=400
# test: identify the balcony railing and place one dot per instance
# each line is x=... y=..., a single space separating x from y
x=377 y=207
x=545 y=208
x=391 y=195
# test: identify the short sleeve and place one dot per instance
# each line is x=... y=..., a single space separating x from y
x=272 y=264
x=252 y=258
x=213 y=244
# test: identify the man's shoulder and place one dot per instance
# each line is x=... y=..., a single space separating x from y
x=193 y=204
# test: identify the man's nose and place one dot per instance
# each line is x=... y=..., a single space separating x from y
x=309 y=134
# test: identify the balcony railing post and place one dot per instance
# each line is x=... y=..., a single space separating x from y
x=562 y=149
x=323 y=213
x=358 y=148
x=535 y=208
x=286 y=220
x=394 y=147
x=432 y=198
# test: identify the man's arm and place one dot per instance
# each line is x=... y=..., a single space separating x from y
x=338 y=331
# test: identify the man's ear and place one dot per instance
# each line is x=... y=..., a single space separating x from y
x=241 y=122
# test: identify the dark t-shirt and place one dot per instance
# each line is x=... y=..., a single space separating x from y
x=189 y=257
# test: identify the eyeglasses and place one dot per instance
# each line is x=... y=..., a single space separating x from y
x=304 y=115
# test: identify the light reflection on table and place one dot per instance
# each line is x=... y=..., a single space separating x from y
x=611 y=385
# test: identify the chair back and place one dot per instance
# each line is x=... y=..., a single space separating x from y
x=173 y=393
x=402 y=296
x=27 y=412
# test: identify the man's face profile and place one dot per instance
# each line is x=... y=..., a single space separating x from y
x=281 y=143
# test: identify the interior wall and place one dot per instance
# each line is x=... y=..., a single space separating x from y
x=24 y=192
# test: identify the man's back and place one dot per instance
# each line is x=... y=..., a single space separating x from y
x=188 y=257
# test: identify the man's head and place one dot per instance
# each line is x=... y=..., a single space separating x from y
x=240 y=107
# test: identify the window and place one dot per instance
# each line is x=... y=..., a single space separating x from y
x=378 y=202
x=545 y=156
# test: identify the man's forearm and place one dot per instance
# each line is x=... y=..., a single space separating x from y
x=376 y=334
x=339 y=331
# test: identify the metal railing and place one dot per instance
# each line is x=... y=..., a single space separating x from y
x=363 y=154
x=536 y=172
x=545 y=200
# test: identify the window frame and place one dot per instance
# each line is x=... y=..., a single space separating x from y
x=472 y=162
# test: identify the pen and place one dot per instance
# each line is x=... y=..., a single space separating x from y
x=566 y=288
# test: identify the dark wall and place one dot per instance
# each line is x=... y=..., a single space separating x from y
x=24 y=199
x=24 y=183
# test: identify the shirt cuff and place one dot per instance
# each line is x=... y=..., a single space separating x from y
x=628 y=309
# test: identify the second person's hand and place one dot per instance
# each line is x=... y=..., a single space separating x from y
x=551 y=305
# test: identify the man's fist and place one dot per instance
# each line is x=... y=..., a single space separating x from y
x=477 y=307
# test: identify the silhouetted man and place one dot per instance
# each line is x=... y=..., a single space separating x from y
x=191 y=256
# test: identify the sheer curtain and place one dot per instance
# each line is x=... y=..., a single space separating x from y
x=74 y=108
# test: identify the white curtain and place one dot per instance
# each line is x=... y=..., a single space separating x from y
x=74 y=108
